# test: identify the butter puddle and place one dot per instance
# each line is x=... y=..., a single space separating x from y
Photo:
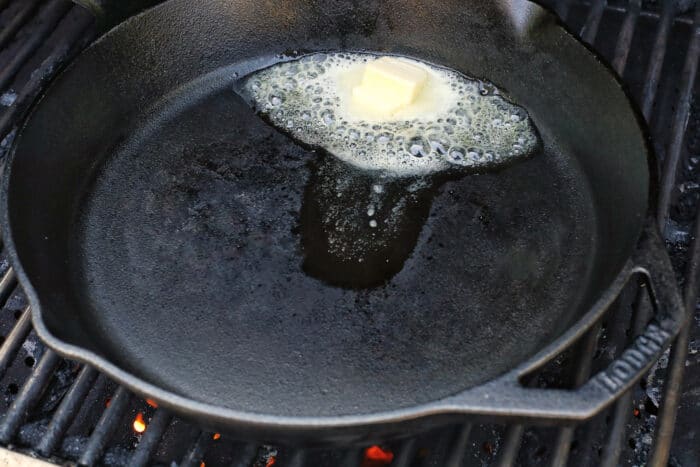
x=454 y=122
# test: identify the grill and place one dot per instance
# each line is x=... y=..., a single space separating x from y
x=65 y=412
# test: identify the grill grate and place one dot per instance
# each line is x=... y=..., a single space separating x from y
x=66 y=412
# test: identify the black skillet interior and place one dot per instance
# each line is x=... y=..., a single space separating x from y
x=161 y=227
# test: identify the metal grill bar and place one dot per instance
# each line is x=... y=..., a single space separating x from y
x=7 y=284
x=66 y=47
x=681 y=19
x=613 y=448
x=194 y=454
x=590 y=28
x=406 y=453
x=656 y=60
x=680 y=122
x=565 y=436
x=669 y=405
x=438 y=450
x=666 y=420
x=588 y=345
x=247 y=454
x=624 y=39
x=49 y=19
x=459 y=446
x=105 y=427
x=66 y=411
x=623 y=407
x=14 y=340
x=511 y=445
x=149 y=441
x=28 y=396
x=17 y=21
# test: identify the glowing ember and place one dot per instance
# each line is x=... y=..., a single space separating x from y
x=202 y=464
x=107 y=402
x=139 y=423
x=377 y=454
x=271 y=461
x=216 y=436
x=152 y=403
x=636 y=412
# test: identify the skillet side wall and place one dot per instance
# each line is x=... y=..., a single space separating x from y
x=89 y=109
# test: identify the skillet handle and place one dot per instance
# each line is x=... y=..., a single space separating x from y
x=109 y=13
x=507 y=397
x=651 y=261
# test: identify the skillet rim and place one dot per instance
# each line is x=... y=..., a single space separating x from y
x=318 y=425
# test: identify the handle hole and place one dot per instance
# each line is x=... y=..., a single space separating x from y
x=602 y=343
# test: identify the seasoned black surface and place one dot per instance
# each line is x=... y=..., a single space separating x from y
x=191 y=259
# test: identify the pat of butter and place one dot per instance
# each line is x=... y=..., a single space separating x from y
x=389 y=84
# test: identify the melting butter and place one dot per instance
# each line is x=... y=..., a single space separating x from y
x=454 y=121
x=388 y=85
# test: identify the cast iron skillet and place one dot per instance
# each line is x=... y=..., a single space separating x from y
x=167 y=236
